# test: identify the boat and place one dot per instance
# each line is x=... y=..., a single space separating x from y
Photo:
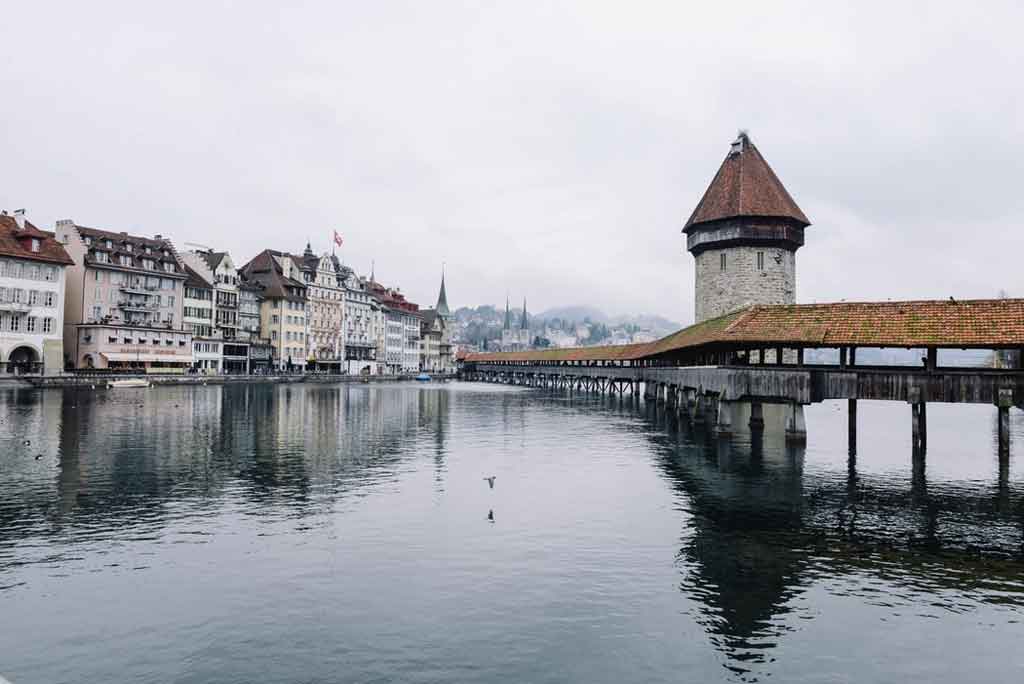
x=423 y=377
x=131 y=382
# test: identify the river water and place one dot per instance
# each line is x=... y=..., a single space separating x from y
x=338 y=533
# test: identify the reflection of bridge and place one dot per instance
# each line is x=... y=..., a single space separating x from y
x=764 y=530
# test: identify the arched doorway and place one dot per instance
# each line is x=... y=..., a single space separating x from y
x=23 y=360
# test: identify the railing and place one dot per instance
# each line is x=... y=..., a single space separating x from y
x=15 y=307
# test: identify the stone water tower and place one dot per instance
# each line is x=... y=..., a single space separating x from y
x=744 y=235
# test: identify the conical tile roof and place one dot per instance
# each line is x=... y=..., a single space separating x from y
x=745 y=186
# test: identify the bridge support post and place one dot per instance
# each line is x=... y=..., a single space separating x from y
x=918 y=421
x=726 y=417
x=1003 y=403
x=670 y=396
x=756 y=415
x=852 y=425
x=796 y=426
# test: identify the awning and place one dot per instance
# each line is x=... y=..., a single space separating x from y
x=145 y=358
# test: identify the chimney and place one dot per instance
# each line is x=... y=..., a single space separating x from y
x=19 y=218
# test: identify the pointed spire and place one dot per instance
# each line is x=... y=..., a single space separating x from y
x=523 y=324
x=745 y=186
x=442 y=298
x=508 y=314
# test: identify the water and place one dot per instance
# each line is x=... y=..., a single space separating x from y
x=298 y=533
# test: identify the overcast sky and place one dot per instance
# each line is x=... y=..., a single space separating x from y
x=548 y=150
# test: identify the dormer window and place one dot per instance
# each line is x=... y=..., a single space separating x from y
x=148 y=250
x=128 y=247
x=88 y=242
x=35 y=244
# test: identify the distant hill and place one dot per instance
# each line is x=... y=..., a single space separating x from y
x=574 y=313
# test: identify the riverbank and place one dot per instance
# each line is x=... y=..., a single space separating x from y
x=102 y=380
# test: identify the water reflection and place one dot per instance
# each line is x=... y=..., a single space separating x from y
x=763 y=531
x=759 y=528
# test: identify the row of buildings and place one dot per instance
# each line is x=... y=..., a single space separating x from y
x=83 y=298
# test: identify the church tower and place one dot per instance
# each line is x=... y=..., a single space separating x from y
x=744 y=235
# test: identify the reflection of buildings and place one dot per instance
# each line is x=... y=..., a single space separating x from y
x=120 y=461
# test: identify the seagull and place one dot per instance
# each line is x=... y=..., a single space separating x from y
x=27 y=442
x=490 y=515
x=951 y=300
x=38 y=456
x=490 y=481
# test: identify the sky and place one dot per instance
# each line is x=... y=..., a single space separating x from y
x=546 y=150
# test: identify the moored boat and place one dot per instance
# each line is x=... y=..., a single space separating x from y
x=130 y=382
x=423 y=377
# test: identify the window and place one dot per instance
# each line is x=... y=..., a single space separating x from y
x=33 y=272
x=273 y=335
x=49 y=299
x=15 y=323
x=97 y=313
x=35 y=244
x=721 y=261
x=30 y=324
x=125 y=260
x=33 y=297
x=760 y=261
x=169 y=267
x=51 y=273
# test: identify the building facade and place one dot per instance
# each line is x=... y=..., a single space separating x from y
x=360 y=321
x=32 y=280
x=123 y=301
x=218 y=269
x=744 y=234
x=326 y=294
x=283 y=306
x=198 y=316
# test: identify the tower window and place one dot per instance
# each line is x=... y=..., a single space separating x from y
x=760 y=261
x=721 y=261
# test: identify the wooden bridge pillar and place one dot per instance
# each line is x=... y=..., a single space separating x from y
x=1003 y=403
x=796 y=425
x=725 y=417
x=918 y=421
x=851 y=416
x=756 y=415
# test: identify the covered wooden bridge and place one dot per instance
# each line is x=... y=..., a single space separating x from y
x=762 y=354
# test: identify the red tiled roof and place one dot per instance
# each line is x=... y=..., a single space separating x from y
x=15 y=243
x=119 y=244
x=745 y=186
x=979 y=324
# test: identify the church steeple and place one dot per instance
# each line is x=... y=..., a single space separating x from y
x=442 y=299
x=523 y=322
x=508 y=314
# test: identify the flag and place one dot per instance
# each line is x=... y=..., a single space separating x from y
x=337 y=239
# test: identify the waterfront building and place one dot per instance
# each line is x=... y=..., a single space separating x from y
x=198 y=318
x=744 y=234
x=283 y=306
x=360 y=320
x=436 y=332
x=261 y=352
x=401 y=330
x=515 y=338
x=218 y=269
x=123 y=301
x=432 y=332
x=32 y=277
x=325 y=342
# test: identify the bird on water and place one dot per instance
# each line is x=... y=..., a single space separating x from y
x=490 y=481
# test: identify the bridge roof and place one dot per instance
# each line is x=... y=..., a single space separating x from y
x=979 y=323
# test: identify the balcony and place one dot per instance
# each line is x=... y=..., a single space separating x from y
x=144 y=290
x=137 y=306
x=15 y=307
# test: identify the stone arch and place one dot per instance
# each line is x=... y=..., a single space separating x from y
x=23 y=358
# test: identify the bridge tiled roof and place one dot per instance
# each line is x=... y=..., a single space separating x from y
x=979 y=324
